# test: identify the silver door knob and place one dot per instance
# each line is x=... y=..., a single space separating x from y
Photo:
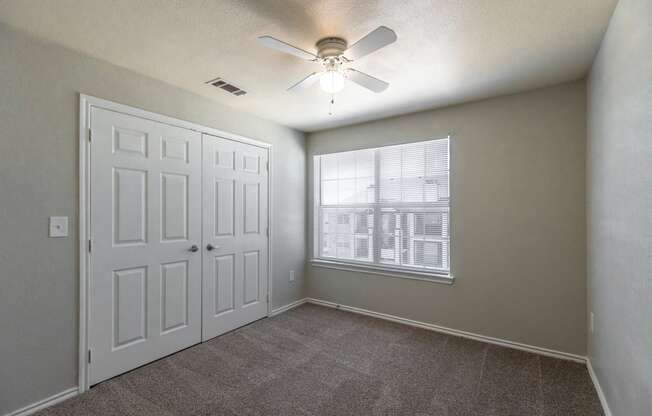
x=211 y=247
x=194 y=248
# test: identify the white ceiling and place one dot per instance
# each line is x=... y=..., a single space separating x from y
x=448 y=51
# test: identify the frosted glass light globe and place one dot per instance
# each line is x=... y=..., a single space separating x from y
x=332 y=81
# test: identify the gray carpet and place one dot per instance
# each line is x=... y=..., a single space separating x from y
x=320 y=361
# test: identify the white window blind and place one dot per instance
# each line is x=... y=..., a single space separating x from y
x=388 y=206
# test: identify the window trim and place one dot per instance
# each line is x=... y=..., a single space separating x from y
x=406 y=272
x=403 y=273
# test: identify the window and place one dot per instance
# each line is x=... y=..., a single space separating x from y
x=387 y=207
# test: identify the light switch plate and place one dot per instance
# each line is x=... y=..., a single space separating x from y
x=58 y=226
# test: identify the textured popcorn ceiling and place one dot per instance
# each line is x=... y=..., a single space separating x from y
x=448 y=51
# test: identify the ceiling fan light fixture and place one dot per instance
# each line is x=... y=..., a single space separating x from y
x=332 y=81
x=334 y=55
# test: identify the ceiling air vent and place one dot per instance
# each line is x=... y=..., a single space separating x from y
x=230 y=88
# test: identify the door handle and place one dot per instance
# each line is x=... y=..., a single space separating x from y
x=193 y=248
x=211 y=247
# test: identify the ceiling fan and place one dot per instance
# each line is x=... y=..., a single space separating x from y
x=334 y=55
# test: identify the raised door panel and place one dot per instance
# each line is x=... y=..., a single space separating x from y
x=174 y=207
x=224 y=283
x=224 y=207
x=175 y=148
x=251 y=277
x=129 y=142
x=129 y=206
x=224 y=157
x=251 y=210
x=174 y=294
x=129 y=306
x=251 y=163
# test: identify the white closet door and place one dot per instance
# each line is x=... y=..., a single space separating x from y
x=145 y=286
x=235 y=235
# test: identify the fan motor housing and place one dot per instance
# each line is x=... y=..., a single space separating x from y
x=330 y=47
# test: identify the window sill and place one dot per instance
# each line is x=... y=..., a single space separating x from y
x=441 y=278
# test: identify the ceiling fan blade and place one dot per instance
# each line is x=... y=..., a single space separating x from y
x=367 y=81
x=305 y=83
x=281 y=46
x=380 y=37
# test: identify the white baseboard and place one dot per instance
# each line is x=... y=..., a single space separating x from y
x=482 y=338
x=455 y=332
x=66 y=394
x=42 y=404
x=288 y=307
x=598 y=388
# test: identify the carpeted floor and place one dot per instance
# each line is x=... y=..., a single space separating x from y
x=319 y=361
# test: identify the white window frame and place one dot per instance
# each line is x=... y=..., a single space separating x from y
x=375 y=268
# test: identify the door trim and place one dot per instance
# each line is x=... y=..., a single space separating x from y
x=86 y=102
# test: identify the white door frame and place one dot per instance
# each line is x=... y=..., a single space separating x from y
x=85 y=104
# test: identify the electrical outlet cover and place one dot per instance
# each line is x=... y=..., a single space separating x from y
x=58 y=226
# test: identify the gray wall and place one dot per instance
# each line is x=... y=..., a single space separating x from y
x=619 y=187
x=39 y=177
x=518 y=212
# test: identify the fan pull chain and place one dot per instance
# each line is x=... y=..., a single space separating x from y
x=331 y=104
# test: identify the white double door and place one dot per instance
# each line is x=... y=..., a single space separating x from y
x=178 y=250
